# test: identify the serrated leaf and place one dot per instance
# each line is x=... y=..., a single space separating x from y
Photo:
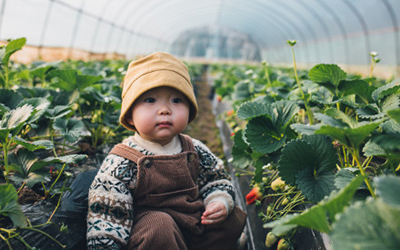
x=24 y=159
x=388 y=189
x=367 y=225
x=339 y=115
x=12 y=47
x=389 y=142
x=9 y=205
x=242 y=91
x=352 y=137
x=305 y=129
x=283 y=112
x=315 y=153
x=262 y=136
x=394 y=114
x=16 y=117
x=9 y=98
x=315 y=186
x=252 y=109
x=358 y=87
x=35 y=145
x=370 y=112
x=390 y=103
x=40 y=106
x=373 y=149
x=58 y=111
x=327 y=73
x=71 y=129
x=385 y=90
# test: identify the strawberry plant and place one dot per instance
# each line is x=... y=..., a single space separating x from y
x=352 y=137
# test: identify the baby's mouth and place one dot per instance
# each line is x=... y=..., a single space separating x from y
x=164 y=124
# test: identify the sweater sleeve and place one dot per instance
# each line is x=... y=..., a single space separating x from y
x=214 y=182
x=110 y=214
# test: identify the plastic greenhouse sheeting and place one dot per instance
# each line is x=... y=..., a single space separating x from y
x=328 y=31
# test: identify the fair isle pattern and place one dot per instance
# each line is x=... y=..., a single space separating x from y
x=101 y=243
x=111 y=204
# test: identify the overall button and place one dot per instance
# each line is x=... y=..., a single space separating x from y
x=147 y=163
x=191 y=157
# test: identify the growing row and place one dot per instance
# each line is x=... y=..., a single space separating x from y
x=322 y=148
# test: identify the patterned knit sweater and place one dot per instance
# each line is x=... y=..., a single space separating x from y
x=111 y=208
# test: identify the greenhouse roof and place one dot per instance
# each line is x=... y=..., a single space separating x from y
x=343 y=31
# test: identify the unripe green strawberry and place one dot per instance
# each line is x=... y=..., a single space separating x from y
x=270 y=239
x=285 y=201
x=283 y=245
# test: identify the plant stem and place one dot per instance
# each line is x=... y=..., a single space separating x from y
x=355 y=155
x=309 y=112
x=58 y=203
x=46 y=234
x=58 y=177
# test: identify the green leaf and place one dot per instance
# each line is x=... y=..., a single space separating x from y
x=373 y=149
x=315 y=186
x=327 y=75
x=352 y=137
x=320 y=215
x=360 y=88
x=309 y=164
x=40 y=105
x=339 y=115
x=12 y=47
x=16 y=117
x=252 y=109
x=283 y=112
x=391 y=102
x=241 y=151
x=394 y=114
x=58 y=111
x=24 y=159
x=385 y=90
x=41 y=70
x=9 y=205
x=242 y=91
x=305 y=129
x=388 y=189
x=367 y=225
x=35 y=145
x=388 y=142
x=9 y=98
x=262 y=136
x=70 y=128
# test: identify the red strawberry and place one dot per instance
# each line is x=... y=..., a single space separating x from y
x=253 y=195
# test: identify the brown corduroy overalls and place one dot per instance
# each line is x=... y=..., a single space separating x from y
x=168 y=207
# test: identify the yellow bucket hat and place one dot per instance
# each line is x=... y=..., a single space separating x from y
x=155 y=70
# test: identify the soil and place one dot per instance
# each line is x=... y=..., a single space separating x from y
x=204 y=127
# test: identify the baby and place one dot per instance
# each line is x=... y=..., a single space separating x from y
x=161 y=189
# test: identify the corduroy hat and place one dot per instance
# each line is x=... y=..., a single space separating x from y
x=156 y=70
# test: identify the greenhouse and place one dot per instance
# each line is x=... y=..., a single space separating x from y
x=290 y=137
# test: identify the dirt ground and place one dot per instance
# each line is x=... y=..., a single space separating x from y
x=204 y=127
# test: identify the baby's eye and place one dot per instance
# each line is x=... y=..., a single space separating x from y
x=150 y=100
x=177 y=100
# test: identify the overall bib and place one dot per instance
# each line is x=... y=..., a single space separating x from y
x=168 y=207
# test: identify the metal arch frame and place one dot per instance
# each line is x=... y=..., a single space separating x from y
x=323 y=24
x=299 y=16
x=363 y=25
x=396 y=30
x=76 y=28
x=288 y=23
x=340 y=25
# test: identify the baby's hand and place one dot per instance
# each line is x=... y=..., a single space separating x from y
x=215 y=213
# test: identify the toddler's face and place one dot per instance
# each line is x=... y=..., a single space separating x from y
x=160 y=114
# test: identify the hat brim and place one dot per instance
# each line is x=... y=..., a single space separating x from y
x=155 y=79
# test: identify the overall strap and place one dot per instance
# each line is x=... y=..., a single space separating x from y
x=126 y=152
x=187 y=143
